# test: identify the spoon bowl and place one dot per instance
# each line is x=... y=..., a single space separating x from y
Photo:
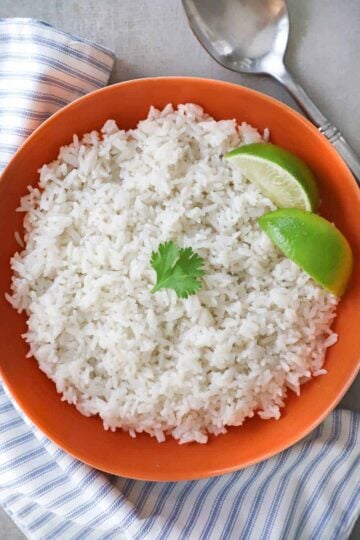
x=247 y=36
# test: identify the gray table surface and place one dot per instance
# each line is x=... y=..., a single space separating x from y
x=152 y=38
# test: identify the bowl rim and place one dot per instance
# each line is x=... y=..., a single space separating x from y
x=148 y=80
x=277 y=447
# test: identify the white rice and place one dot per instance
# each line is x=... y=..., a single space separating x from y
x=154 y=362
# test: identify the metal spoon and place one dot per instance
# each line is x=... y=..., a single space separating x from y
x=250 y=36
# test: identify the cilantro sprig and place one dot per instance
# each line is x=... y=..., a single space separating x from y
x=177 y=268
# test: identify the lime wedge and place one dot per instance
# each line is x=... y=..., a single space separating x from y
x=280 y=175
x=313 y=243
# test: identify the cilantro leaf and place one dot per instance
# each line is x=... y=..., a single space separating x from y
x=177 y=268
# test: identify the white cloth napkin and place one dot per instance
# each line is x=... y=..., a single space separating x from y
x=310 y=491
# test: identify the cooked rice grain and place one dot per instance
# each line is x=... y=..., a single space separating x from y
x=154 y=362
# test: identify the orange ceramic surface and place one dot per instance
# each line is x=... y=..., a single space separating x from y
x=257 y=439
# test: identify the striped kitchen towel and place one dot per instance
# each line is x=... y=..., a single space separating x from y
x=41 y=70
x=310 y=491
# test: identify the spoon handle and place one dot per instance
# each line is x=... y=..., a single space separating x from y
x=325 y=127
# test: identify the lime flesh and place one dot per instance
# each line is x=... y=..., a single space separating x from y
x=280 y=175
x=313 y=243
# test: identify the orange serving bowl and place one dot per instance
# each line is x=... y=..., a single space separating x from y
x=257 y=439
